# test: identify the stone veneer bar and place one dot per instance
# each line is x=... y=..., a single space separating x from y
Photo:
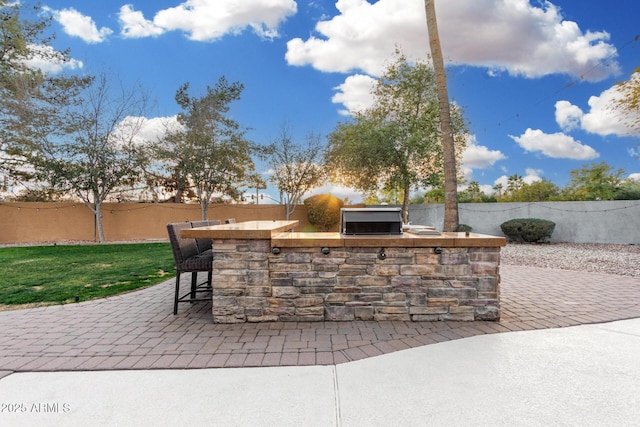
x=272 y=275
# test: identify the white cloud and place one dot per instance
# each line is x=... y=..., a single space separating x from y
x=478 y=156
x=635 y=176
x=134 y=25
x=601 y=119
x=205 y=20
x=568 y=116
x=48 y=60
x=532 y=175
x=155 y=128
x=145 y=130
x=355 y=93
x=555 y=145
x=486 y=188
x=361 y=36
x=512 y=36
x=76 y=24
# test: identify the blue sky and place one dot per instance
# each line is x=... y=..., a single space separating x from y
x=533 y=77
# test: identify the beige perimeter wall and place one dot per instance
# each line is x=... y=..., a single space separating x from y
x=59 y=222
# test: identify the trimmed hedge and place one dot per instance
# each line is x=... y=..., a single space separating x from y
x=323 y=211
x=464 y=228
x=528 y=229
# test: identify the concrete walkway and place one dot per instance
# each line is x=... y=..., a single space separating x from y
x=578 y=376
x=122 y=360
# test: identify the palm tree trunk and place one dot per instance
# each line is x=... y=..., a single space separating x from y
x=448 y=149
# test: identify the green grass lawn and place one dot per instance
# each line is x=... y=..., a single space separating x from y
x=59 y=274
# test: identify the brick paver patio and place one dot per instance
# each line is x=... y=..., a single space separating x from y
x=139 y=331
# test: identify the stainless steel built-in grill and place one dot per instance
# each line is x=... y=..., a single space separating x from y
x=355 y=221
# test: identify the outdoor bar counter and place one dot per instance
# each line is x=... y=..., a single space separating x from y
x=263 y=271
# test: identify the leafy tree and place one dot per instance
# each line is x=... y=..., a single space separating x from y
x=629 y=103
x=99 y=153
x=418 y=199
x=539 y=191
x=163 y=174
x=451 y=218
x=498 y=189
x=474 y=194
x=397 y=143
x=297 y=168
x=435 y=194
x=36 y=194
x=471 y=194
x=32 y=103
x=629 y=190
x=209 y=149
x=391 y=196
x=174 y=182
x=594 y=182
x=514 y=183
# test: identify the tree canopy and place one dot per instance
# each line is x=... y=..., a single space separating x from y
x=628 y=104
x=597 y=181
x=396 y=143
x=31 y=101
x=538 y=191
x=297 y=168
x=209 y=148
x=99 y=152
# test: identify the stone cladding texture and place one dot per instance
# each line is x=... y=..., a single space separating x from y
x=302 y=284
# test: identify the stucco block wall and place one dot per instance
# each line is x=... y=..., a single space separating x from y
x=56 y=222
x=577 y=222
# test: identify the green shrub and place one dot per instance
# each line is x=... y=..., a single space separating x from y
x=528 y=229
x=323 y=211
x=465 y=228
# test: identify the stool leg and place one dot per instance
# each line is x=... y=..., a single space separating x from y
x=175 y=301
x=194 y=284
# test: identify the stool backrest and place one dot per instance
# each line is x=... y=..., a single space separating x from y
x=204 y=244
x=182 y=248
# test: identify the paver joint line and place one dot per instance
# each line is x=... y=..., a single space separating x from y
x=138 y=331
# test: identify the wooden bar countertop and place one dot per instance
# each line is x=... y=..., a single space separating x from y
x=240 y=230
x=275 y=231
x=336 y=240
